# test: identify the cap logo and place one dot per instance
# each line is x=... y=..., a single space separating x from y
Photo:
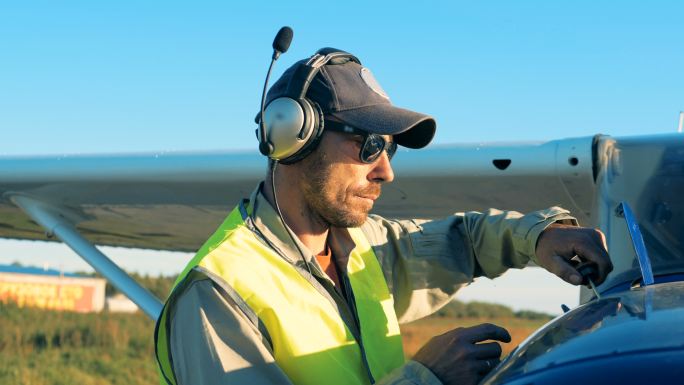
x=373 y=84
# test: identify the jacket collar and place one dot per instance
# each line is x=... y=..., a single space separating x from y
x=267 y=221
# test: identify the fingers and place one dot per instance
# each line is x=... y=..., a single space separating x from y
x=596 y=252
x=456 y=357
x=562 y=268
x=602 y=238
x=485 y=332
x=558 y=244
x=485 y=366
x=486 y=351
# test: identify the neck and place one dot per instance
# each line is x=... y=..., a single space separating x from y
x=308 y=226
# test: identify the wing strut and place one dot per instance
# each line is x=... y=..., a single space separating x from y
x=56 y=223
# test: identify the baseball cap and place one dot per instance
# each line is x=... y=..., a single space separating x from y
x=347 y=92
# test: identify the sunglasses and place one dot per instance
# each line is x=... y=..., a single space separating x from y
x=373 y=144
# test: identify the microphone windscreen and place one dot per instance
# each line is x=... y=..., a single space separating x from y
x=283 y=39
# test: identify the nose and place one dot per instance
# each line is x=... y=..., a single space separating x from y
x=382 y=170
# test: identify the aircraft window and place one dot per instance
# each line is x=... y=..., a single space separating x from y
x=650 y=176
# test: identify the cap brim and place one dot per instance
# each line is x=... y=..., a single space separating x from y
x=410 y=129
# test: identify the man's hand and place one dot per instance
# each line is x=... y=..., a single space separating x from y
x=456 y=357
x=558 y=244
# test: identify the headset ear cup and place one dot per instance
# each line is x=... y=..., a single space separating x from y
x=293 y=124
x=314 y=118
x=284 y=121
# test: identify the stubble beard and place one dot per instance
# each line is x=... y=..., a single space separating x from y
x=323 y=197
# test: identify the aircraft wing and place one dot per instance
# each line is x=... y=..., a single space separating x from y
x=174 y=201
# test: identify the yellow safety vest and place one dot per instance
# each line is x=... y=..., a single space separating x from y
x=310 y=341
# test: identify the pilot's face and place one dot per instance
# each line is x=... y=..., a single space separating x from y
x=338 y=187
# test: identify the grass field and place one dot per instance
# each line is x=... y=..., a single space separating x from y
x=54 y=348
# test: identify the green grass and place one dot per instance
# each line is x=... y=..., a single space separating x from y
x=40 y=347
x=46 y=347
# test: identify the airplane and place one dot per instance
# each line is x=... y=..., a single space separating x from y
x=629 y=330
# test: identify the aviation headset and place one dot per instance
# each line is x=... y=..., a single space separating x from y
x=293 y=124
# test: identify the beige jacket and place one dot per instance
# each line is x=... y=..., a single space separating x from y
x=215 y=340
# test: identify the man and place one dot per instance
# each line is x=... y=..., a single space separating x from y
x=301 y=285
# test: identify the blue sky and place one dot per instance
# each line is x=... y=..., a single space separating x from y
x=128 y=76
x=90 y=77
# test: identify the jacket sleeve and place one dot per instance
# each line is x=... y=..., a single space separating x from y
x=213 y=342
x=411 y=373
x=426 y=261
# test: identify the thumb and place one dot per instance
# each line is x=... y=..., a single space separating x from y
x=559 y=266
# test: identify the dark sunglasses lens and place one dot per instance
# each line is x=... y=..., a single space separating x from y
x=372 y=147
x=391 y=149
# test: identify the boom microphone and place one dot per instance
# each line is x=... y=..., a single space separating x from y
x=282 y=41
x=280 y=45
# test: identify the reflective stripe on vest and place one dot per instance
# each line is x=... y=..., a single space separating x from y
x=311 y=343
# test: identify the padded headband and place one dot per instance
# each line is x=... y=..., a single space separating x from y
x=305 y=72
